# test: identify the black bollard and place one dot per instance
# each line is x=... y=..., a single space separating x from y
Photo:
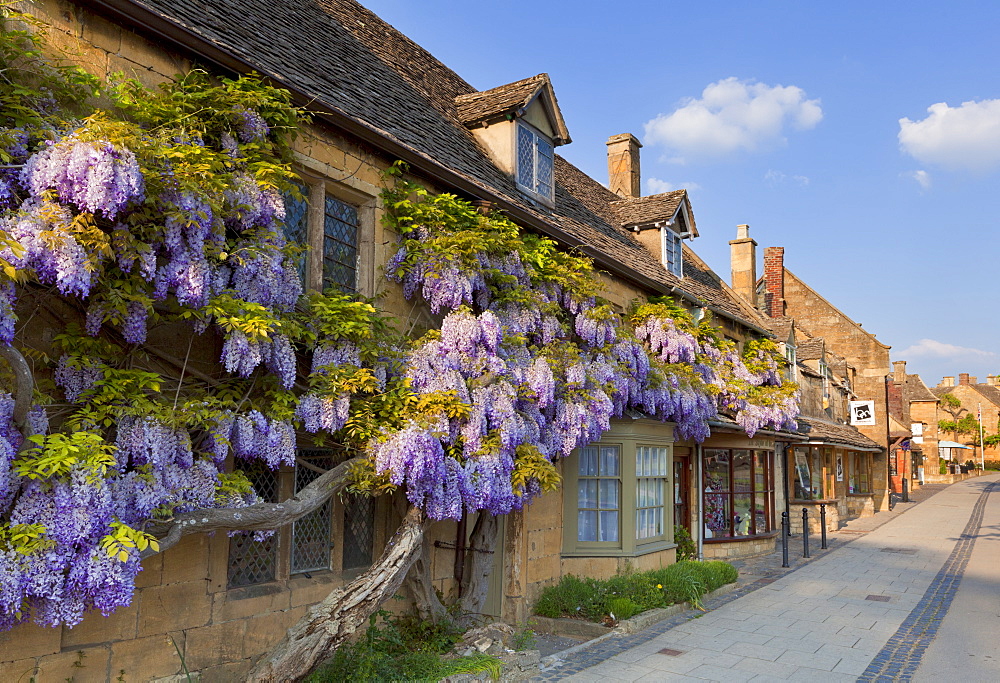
x=805 y=532
x=822 y=524
x=784 y=539
x=906 y=491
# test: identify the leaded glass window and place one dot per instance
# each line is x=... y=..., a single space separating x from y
x=340 y=245
x=599 y=489
x=535 y=162
x=297 y=221
x=254 y=561
x=651 y=465
x=673 y=255
x=311 y=533
x=359 y=531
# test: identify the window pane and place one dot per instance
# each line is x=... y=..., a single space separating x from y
x=716 y=515
x=609 y=526
x=741 y=515
x=251 y=561
x=741 y=471
x=544 y=168
x=609 y=461
x=587 y=497
x=297 y=221
x=340 y=245
x=588 y=461
x=608 y=496
x=525 y=157
x=586 y=525
x=311 y=533
x=359 y=532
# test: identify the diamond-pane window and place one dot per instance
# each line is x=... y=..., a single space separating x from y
x=340 y=245
x=252 y=561
x=311 y=533
x=535 y=157
x=359 y=531
x=297 y=221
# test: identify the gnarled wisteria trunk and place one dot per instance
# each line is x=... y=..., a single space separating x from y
x=330 y=623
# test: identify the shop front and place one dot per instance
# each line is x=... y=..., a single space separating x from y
x=832 y=472
x=739 y=507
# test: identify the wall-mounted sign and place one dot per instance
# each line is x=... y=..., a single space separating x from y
x=863 y=413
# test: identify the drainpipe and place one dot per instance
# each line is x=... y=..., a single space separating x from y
x=700 y=534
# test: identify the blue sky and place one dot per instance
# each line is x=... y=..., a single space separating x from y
x=811 y=122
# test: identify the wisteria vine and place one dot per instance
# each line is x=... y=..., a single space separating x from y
x=163 y=220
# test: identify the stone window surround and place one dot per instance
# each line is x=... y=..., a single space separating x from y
x=319 y=187
x=218 y=566
x=628 y=436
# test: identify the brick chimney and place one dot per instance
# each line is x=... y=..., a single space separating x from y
x=963 y=378
x=947 y=382
x=743 y=261
x=623 y=165
x=774 y=281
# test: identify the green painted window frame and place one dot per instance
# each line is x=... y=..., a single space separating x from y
x=629 y=438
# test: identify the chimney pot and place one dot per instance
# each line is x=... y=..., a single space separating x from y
x=623 y=165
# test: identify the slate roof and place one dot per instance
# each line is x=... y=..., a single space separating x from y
x=654 y=207
x=989 y=392
x=811 y=349
x=487 y=104
x=914 y=389
x=347 y=61
x=821 y=430
x=781 y=327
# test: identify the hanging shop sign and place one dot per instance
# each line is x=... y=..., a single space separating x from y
x=863 y=413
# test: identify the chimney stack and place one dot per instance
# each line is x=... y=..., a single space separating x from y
x=774 y=281
x=993 y=380
x=743 y=261
x=623 y=165
x=899 y=370
x=963 y=378
x=947 y=381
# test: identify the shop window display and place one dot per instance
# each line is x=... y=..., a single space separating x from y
x=738 y=493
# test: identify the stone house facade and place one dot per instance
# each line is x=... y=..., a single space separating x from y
x=378 y=97
x=836 y=468
x=974 y=397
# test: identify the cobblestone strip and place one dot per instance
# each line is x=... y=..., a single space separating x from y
x=898 y=660
x=609 y=647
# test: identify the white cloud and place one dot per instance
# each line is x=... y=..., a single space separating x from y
x=656 y=186
x=731 y=116
x=966 y=137
x=778 y=178
x=930 y=348
x=922 y=177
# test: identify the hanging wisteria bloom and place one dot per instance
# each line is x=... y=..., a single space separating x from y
x=96 y=176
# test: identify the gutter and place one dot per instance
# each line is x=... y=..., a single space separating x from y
x=150 y=22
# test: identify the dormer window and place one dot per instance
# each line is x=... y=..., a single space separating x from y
x=672 y=253
x=534 y=163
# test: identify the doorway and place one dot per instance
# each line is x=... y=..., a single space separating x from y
x=682 y=491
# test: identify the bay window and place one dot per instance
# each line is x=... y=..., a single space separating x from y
x=617 y=500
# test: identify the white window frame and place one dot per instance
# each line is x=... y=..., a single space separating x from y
x=537 y=137
x=673 y=252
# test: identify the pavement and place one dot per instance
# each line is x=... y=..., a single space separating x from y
x=909 y=594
